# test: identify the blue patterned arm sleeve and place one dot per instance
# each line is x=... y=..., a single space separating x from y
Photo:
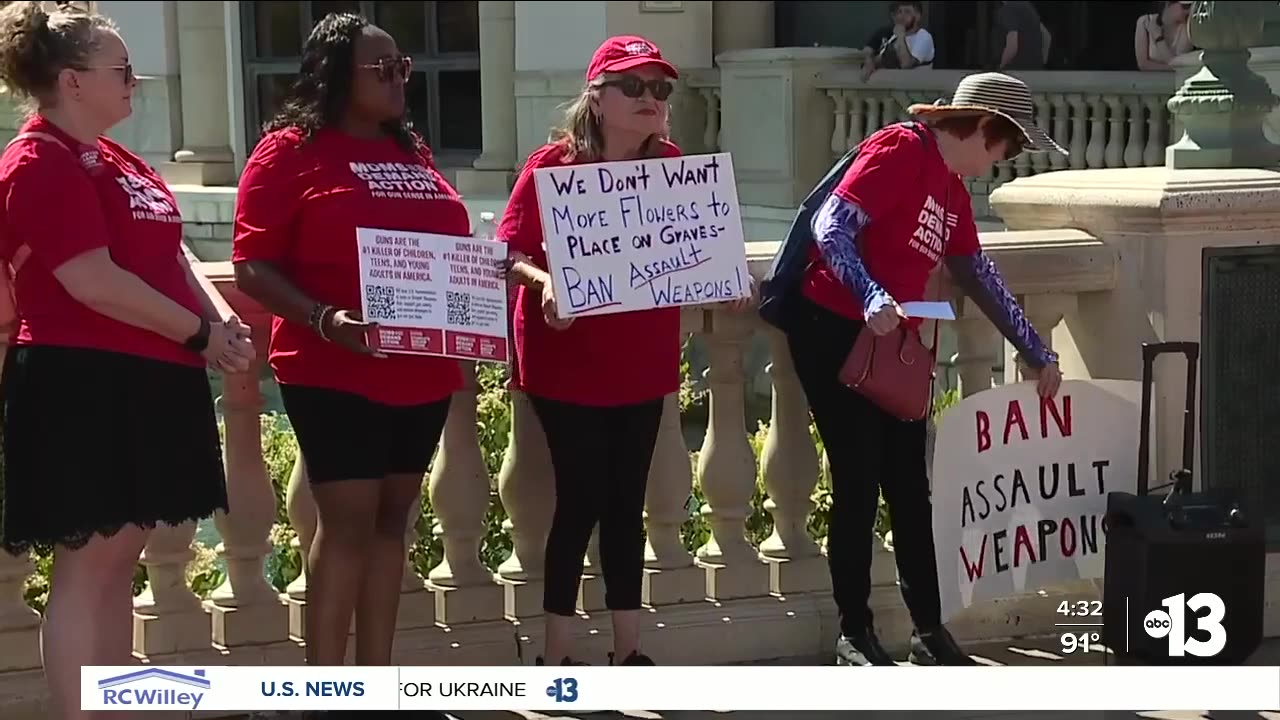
x=835 y=228
x=978 y=276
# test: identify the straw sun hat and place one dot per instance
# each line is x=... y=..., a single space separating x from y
x=996 y=94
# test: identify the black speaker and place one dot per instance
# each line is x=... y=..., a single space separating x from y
x=1166 y=555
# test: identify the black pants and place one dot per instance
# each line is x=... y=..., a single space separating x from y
x=601 y=458
x=870 y=452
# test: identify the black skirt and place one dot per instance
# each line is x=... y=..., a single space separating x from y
x=94 y=441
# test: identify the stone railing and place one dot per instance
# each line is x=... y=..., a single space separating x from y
x=706 y=83
x=1104 y=119
x=463 y=613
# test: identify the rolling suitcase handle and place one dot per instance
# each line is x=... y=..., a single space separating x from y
x=1150 y=351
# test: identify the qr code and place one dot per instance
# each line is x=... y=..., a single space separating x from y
x=382 y=301
x=458 y=308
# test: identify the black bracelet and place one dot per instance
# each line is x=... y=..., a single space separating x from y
x=318 y=314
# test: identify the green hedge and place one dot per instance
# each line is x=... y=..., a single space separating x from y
x=493 y=425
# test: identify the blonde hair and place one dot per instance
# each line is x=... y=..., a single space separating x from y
x=36 y=45
x=581 y=136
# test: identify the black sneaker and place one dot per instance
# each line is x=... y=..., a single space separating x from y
x=862 y=649
x=567 y=661
x=635 y=658
x=937 y=648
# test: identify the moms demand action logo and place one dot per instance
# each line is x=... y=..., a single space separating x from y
x=155 y=687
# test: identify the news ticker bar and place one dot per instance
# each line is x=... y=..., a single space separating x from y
x=579 y=689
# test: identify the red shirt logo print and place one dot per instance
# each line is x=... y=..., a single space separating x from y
x=146 y=201
x=400 y=181
x=935 y=225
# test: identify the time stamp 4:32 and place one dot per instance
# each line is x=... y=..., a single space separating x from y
x=1081 y=624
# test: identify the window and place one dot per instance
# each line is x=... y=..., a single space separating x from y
x=443 y=38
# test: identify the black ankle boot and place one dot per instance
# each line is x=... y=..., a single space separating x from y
x=937 y=647
x=635 y=658
x=862 y=649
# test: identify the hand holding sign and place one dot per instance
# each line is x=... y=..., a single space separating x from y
x=550 y=312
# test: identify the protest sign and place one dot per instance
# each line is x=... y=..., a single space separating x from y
x=635 y=235
x=434 y=294
x=1020 y=486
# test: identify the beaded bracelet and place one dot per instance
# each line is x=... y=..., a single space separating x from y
x=318 y=314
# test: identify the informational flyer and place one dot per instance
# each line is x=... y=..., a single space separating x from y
x=636 y=235
x=434 y=294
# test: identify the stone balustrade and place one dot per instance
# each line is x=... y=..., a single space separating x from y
x=768 y=97
x=464 y=612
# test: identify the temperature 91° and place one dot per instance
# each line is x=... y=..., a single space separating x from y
x=1084 y=642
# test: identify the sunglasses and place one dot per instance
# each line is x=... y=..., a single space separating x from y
x=391 y=68
x=127 y=69
x=634 y=87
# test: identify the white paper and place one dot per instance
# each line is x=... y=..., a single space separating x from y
x=931 y=310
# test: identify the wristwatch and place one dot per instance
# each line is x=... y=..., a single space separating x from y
x=199 y=341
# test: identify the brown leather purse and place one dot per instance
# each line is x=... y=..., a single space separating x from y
x=895 y=371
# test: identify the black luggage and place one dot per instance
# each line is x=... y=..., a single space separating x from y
x=1168 y=555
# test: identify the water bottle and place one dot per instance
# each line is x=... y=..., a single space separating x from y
x=488 y=227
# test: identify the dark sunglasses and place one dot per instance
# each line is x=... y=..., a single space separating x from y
x=127 y=69
x=633 y=87
x=390 y=68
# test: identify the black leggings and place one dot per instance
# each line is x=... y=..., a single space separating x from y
x=870 y=452
x=601 y=458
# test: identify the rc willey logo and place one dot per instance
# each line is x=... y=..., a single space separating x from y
x=155 y=687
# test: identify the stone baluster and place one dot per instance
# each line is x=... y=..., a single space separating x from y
x=1115 y=133
x=857 y=121
x=1061 y=129
x=526 y=485
x=168 y=616
x=19 y=623
x=1004 y=173
x=300 y=506
x=459 y=489
x=245 y=609
x=726 y=465
x=840 y=135
x=1044 y=105
x=1079 y=131
x=873 y=115
x=1157 y=122
x=670 y=573
x=977 y=349
x=790 y=468
x=671 y=576
x=1096 y=153
x=1137 y=132
x=711 y=136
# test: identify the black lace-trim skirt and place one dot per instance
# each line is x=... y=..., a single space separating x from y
x=95 y=440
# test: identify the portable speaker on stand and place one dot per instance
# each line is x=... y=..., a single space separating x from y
x=1182 y=543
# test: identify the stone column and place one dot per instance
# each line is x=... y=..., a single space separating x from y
x=492 y=171
x=738 y=25
x=205 y=157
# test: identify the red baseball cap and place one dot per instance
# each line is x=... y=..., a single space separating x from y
x=624 y=52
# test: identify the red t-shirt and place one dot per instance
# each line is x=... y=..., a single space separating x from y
x=901 y=182
x=600 y=360
x=298 y=207
x=64 y=201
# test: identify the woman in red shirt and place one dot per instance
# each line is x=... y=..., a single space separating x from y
x=341 y=154
x=597 y=383
x=899 y=212
x=109 y=424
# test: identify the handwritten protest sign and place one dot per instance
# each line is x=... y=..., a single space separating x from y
x=434 y=294
x=642 y=234
x=1020 y=486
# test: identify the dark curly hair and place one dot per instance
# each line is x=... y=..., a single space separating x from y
x=322 y=89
